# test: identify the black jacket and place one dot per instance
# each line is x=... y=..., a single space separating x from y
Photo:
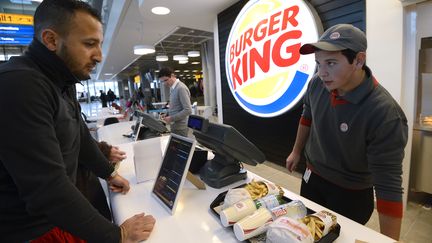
x=42 y=138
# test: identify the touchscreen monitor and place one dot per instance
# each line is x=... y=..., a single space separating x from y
x=173 y=171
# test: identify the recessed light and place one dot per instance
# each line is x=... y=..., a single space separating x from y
x=108 y=74
x=195 y=62
x=160 y=10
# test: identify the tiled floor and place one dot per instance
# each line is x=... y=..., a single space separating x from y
x=416 y=223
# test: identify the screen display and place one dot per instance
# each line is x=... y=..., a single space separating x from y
x=198 y=123
x=195 y=123
x=16 y=34
x=173 y=170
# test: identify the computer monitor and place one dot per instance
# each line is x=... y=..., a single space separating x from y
x=151 y=127
x=230 y=148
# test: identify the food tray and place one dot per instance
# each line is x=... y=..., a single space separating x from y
x=218 y=201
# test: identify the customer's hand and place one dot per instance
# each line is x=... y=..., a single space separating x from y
x=119 y=184
x=292 y=161
x=116 y=155
x=137 y=228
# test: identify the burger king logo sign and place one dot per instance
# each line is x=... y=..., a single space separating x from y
x=265 y=71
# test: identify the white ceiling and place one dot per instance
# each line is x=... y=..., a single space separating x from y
x=129 y=17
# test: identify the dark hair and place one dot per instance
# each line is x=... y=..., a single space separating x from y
x=350 y=56
x=57 y=14
x=165 y=72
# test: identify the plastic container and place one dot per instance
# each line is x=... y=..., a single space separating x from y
x=239 y=210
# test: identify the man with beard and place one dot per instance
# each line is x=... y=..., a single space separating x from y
x=45 y=137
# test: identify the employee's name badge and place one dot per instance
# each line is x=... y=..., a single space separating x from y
x=307 y=175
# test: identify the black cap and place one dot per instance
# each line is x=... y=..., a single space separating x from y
x=336 y=38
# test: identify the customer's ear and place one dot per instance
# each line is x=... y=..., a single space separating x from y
x=49 y=38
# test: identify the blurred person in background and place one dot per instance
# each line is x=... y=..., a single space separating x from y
x=179 y=102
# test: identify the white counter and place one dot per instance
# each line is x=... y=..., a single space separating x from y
x=113 y=133
x=193 y=221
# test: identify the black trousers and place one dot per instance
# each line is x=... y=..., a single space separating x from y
x=357 y=205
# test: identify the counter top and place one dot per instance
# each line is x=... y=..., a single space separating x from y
x=193 y=220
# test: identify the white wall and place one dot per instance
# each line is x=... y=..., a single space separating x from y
x=384 y=30
x=424 y=21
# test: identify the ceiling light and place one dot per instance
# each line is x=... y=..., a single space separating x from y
x=21 y=1
x=193 y=53
x=108 y=74
x=183 y=61
x=186 y=71
x=195 y=62
x=177 y=71
x=160 y=10
x=143 y=49
x=180 y=58
x=162 y=58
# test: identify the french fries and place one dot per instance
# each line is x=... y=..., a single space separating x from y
x=256 y=189
x=315 y=225
x=319 y=223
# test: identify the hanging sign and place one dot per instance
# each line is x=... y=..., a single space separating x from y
x=7 y=18
x=265 y=71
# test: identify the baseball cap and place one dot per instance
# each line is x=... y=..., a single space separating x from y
x=336 y=38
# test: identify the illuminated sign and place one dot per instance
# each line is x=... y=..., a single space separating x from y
x=6 y=18
x=5 y=40
x=16 y=30
x=137 y=79
x=265 y=71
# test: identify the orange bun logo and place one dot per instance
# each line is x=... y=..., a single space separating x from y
x=265 y=71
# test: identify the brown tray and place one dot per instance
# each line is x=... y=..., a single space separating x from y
x=330 y=237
